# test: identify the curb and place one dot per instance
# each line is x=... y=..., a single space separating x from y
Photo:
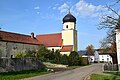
x=88 y=77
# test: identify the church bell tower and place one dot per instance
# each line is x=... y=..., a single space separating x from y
x=69 y=32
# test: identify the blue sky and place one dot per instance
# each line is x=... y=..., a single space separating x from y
x=45 y=16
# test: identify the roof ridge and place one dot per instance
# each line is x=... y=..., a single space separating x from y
x=48 y=34
x=15 y=33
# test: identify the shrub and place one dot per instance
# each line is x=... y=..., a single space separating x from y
x=64 y=59
x=42 y=52
x=73 y=59
x=30 y=53
x=20 y=55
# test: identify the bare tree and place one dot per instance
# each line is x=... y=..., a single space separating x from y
x=110 y=22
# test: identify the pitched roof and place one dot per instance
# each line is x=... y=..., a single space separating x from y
x=19 y=38
x=50 y=40
x=66 y=48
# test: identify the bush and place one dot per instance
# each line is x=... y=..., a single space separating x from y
x=30 y=53
x=64 y=59
x=73 y=59
x=57 y=56
x=42 y=52
x=20 y=55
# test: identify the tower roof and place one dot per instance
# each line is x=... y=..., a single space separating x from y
x=69 y=18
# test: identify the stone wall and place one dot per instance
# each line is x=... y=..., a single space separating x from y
x=19 y=64
x=110 y=67
x=10 y=48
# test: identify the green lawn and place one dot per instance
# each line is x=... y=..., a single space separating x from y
x=116 y=76
x=114 y=73
x=22 y=74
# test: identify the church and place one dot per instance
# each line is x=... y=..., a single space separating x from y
x=66 y=41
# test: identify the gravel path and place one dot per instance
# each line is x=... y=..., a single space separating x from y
x=75 y=74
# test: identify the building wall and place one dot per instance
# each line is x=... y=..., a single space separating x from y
x=55 y=48
x=75 y=48
x=118 y=46
x=105 y=58
x=91 y=58
x=19 y=64
x=71 y=25
x=96 y=55
x=68 y=38
x=67 y=53
x=10 y=48
x=69 y=34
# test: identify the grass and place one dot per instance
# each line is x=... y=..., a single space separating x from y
x=114 y=73
x=21 y=74
x=113 y=76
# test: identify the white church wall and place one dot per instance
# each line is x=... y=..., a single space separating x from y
x=67 y=53
x=55 y=48
x=71 y=25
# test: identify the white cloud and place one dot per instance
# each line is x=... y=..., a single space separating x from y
x=87 y=9
x=83 y=8
x=37 y=7
x=63 y=8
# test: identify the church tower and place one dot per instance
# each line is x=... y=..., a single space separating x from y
x=69 y=32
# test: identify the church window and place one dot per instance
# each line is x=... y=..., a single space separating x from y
x=66 y=26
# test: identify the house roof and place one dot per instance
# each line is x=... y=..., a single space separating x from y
x=19 y=38
x=66 y=48
x=105 y=54
x=50 y=40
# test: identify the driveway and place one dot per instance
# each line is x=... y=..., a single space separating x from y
x=75 y=74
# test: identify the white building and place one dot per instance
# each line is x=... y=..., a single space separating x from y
x=105 y=57
x=96 y=56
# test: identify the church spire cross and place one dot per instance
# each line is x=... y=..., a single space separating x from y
x=69 y=11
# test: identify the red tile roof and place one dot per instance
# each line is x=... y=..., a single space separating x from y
x=50 y=40
x=66 y=48
x=19 y=38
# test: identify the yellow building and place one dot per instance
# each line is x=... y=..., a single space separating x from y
x=66 y=41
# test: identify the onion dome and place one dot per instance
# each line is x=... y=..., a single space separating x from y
x=69 y=18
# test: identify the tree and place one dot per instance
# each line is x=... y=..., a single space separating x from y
x=30 y=53
x=73 y=59
x=64 y=59
x=57 y=56
x=42 y=52
x=90 y=49
x=110 y=22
